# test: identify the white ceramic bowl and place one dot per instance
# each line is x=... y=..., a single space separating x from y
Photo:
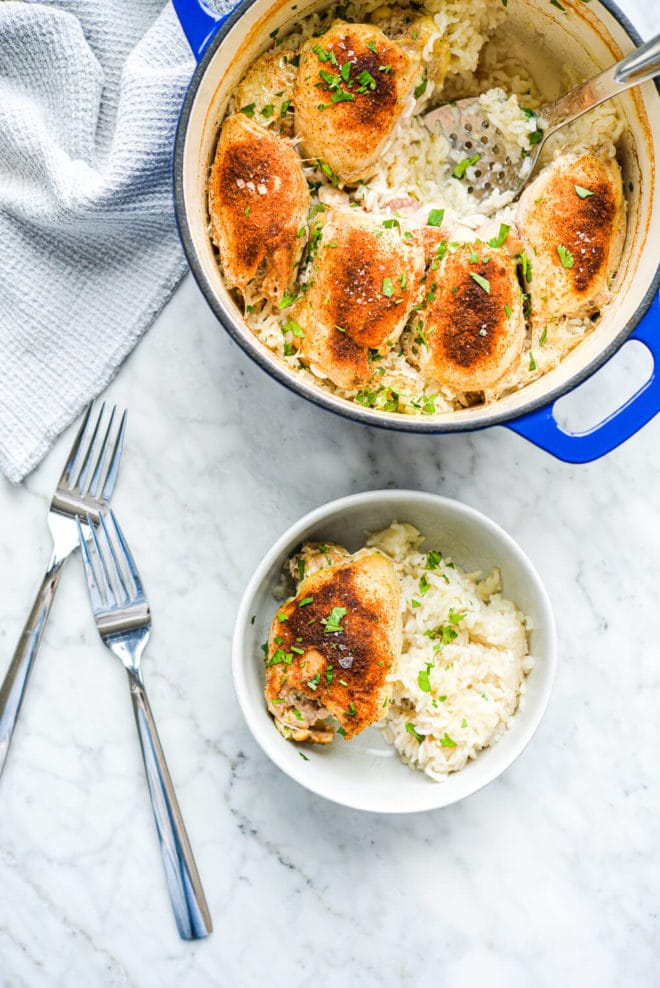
x=366 y=773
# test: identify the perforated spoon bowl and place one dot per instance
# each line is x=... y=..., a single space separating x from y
x=477 y=153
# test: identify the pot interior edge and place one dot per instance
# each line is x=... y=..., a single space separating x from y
x=594 y=39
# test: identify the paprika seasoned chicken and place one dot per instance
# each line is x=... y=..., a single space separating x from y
x=363 y=280
x=258 y=201
x=572 y=223
x=332 y=646
x=353 y=85
x=473 y=327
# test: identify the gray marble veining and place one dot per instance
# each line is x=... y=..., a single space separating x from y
x=550 y=876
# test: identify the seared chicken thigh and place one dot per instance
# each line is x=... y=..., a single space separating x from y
x=258 y=201
x=572 y=222
x=266 y=90
x=364 y=279
x=332 y=646
x=353 y=84
x=472 y=328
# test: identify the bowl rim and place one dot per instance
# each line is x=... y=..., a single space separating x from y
x=286 y=541
x=329 y=402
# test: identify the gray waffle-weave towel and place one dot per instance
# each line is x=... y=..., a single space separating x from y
x=90 y=91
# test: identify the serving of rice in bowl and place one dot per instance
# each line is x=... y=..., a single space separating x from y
x=461 y=726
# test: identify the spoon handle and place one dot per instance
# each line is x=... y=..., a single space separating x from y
x=640 y=65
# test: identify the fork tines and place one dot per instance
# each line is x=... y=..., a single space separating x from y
x=112 y=576
x=93 y=463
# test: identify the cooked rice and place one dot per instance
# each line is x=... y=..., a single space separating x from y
x=455 y=698
x=415 y=166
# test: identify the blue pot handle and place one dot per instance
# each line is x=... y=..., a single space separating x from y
x=542 y=429
x=199 y=23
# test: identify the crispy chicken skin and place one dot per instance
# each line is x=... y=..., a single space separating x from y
x=258 y=200
x=591 y=227
x=331 y=647
x=349 y=132
x=364 y=280
x=268 y=83
x=474 y=328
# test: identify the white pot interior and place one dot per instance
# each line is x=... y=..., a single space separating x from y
x=589 y=38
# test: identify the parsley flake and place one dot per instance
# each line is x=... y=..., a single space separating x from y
x=447 y=742
x=435 y=217
x=565 y=256
x=462 y=166
x=583 y=193
x=482 y=282
x=501 y=236
x=388 y=288
x=411 y=730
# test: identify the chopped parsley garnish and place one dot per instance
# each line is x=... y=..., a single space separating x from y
x=332 y=624
x=248 y=110
x=556 y=3
x=280 y=657
x=313 y=683
x=423 y=679
x=351 y=710
x=464 y=723
x=268 y=111
x=342 y=682
x=366 y=80
x=420 y=88
x=447 y=742
x=390 y=224
x=305 y=601
x=284 y=107
x=507 y=310
x=583 y=193
x=282 y=617
x=298 y=651
x=526 y=266
x=474 y=257
x=371 y=46
x=501 y=236
x=296 y=713
x=433 y=559
x=455 y=617
x=286 y=301
x=340 y=730
x=403 y=281
x=482 y=282
x=415 y=603
x=324 y=56
x=328 y=172
x=565 y=256
x=246 y=211
x=303 y=756
x=544 y=336
x=435 y=217
x=345 y=71
x=329 y=675
x=532 y=362
x=301 y=570
x=293 y=327
x=388 y=288
x=462 y=166
x=411 y=730
x=424 y=585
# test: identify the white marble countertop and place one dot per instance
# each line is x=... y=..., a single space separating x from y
x=549 y=876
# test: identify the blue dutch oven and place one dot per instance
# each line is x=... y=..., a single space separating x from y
x=589 y=37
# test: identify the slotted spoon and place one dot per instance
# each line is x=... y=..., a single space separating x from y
x=477 y=154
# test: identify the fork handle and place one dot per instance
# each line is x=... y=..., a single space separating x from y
x=191 y=912
x=15 y=682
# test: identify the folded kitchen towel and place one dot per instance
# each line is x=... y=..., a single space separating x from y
x=90 y=91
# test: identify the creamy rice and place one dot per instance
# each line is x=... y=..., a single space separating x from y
x=464 y=658
x=415 y=167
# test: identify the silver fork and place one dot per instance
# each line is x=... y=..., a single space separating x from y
x=83 y=490
x=123 y=620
